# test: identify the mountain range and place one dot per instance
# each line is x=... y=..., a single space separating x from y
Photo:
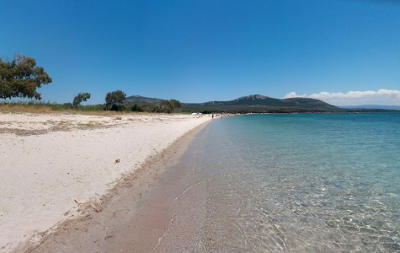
x=252 y=103
x=142 y=100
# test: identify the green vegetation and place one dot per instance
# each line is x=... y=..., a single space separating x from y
x=247 y=104
x=21 y=78
x=114 y=100
x=166 y=106
x=169 y=106
x=139 y=103
x=142 y=100
x=81 y=97
x=263 y=104
x=41 y=107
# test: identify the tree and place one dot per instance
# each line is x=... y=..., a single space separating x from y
x=166 y=106
x=136 y=108
x=175 y=103
x=81 y=97
x=170 y=105
x=21 y=78
x=115 y=99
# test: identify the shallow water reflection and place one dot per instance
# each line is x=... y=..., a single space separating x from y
x=302 y=183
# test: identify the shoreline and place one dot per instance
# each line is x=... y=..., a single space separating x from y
x=134 y=192
x=171 y=128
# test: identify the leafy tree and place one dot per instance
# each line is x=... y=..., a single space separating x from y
x=170 y=105
x=21 y=78
x=175 y=103
x=115 y=99
x=81 y=97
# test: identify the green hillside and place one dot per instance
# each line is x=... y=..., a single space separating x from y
x=142 y=100
x=260 y=103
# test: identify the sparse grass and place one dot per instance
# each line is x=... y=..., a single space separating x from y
x=35 y=107
x=31 y=107
x=19 y=107
x=118 y=118
x=99 y=109
x=88 y=124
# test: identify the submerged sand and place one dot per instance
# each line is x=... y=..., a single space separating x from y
x=54 y=167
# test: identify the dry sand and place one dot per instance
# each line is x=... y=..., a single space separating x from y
x=53 y=165
x=159 y=208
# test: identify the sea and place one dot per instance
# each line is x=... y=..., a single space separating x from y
x=299 y=183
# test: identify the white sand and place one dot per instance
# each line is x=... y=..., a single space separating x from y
x=44 y=176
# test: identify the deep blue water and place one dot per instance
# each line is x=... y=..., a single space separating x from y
x=302 y=183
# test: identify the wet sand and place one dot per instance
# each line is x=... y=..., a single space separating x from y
x=160 y=208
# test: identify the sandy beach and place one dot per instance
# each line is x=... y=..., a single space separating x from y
x=56 y=166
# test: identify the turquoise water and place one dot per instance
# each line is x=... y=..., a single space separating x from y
x=302 y=183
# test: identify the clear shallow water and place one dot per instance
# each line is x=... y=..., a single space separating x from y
x=301 y=183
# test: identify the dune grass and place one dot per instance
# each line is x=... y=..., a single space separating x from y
x=99 y=109
x=36 y=107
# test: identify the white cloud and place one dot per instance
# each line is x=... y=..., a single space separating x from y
x=375 y=97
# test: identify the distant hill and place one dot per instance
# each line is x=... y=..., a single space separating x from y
x=379 y=107
x=252 y=103
x=262 y=104
x=142 y=100
x=259 y=103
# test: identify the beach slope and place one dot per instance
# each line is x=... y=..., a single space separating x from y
x=55 y=165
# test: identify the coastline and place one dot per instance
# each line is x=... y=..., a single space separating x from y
x=33 y=209
x=142 y=205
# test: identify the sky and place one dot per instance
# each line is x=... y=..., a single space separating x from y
x=346 y=52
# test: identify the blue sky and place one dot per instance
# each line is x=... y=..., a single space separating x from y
x=208 y=50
